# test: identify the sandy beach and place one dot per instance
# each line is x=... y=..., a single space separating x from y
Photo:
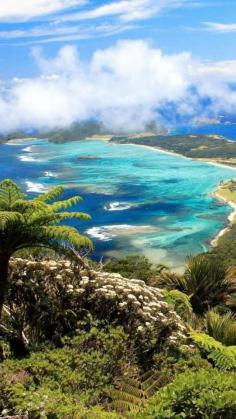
x=158 y=149
x=231 y=219
x=162 y=150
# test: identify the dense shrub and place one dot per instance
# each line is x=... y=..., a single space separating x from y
x=203 y=394
x=60 y=382
x=135 y=266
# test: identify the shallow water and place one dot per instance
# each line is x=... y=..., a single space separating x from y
x=141 y=200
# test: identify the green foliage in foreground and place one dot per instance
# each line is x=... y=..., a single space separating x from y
x=59 y=383
x=201 y=395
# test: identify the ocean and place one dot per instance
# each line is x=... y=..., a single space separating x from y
x=141 y=201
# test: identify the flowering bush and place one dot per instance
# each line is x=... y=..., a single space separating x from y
x=48 y=298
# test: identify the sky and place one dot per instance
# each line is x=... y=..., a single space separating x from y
x=123 y=62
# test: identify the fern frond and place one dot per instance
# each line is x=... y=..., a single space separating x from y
x=50 y=195
x=224 y=360
x=67 y=203
x=151 y=382
x=132 y=393
x=37 y=222
x=9 y=194
x=30 y=206
x=10 y=218
x=66 y=236
x=55 y=218
x=224 y=357
x=122 y=406
x=125 y=395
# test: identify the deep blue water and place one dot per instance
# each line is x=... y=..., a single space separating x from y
x=141 y=200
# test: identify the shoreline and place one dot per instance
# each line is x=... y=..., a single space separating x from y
x=231 y=218
x=158 y=149
x=173 y=153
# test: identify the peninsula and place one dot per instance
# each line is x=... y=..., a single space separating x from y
x=210 y=148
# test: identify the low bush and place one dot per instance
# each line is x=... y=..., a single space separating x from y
x=61 y=382
x=206 y=394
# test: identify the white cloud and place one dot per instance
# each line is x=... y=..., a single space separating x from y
x=220 y=27
x=125 y=86
x=109 y=18
x=53 y=33
x=127 y=10
x=20 y=10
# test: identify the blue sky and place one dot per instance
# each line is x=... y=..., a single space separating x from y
x=206 y=28
x=123 y=62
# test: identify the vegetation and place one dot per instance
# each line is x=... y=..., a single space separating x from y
x=193 y=146
x=202 y=394
x=226 y=247
x=36 y=222
x=77 y=131
x=125 y=340
x=135 y=266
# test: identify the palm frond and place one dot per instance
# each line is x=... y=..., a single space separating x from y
x=230 y=279
x=221 y=328
x=172 y=281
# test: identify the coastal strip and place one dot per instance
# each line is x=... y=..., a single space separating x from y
x=226 y=192
x=211 y=149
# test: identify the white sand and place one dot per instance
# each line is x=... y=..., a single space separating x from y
x=231 y=219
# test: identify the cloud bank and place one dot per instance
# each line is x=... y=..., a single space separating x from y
x=125 y=87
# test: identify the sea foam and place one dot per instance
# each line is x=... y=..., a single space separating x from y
x=27 y=158
x=36 y=187
x=117 y=206
x=106 y=233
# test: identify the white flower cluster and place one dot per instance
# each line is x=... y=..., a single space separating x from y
x=146 y=304
x=131 y=298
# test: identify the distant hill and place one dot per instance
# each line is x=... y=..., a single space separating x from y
x=74 y=132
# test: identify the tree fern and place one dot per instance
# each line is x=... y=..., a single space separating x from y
x=35 y=223
x=223 y=357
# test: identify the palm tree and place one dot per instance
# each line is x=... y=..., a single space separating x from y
x=26 y=223
x=221 y=327
x=206 y=281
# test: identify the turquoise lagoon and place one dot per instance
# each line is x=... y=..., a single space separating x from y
x=141 y=200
